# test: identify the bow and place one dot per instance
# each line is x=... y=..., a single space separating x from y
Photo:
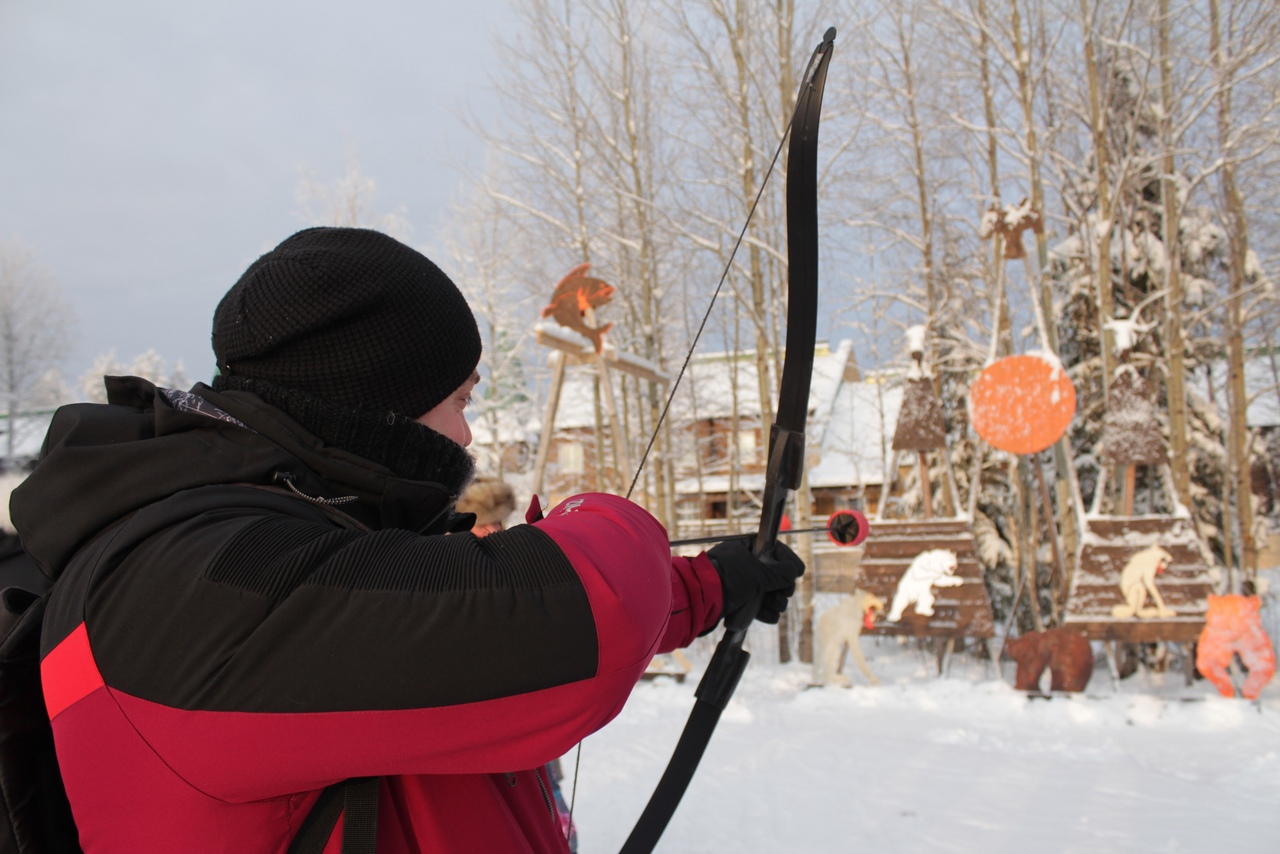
x=786 y=444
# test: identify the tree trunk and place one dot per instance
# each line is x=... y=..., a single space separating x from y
x=1064 y=473
x=1102 y=253
x=922 y=200
x=1175 y=349
x=1238 y=444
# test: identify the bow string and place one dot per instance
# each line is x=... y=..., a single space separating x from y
x=786 y=438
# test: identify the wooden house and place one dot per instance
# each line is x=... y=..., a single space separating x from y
x=716 y=469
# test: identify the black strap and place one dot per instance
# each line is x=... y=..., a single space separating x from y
x=360 y=826
x=355 y=799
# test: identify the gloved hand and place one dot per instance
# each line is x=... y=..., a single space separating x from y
x=743 y=577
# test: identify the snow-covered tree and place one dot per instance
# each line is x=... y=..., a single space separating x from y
x=148 y=364
x=35 y=329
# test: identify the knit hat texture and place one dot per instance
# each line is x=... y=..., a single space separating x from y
x=350 y=316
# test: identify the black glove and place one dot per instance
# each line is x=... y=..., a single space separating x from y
x=744 y=577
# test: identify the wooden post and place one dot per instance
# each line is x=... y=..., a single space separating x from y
x=617 y=433
x=1099 y=491
x=1031 y=551
x=556 y=359
x=888 y=485
x=926 y=489
x=1130 y=486
x=617 y=436
x=945 y=650
x=1113 y=666
x=953 y=490
x=1058 y=563
x=804 y=547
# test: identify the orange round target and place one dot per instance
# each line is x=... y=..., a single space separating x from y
x=1022 y=404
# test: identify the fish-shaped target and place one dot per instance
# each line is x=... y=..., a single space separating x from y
x=576 y=293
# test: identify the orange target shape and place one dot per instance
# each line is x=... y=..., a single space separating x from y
x=1022 y=404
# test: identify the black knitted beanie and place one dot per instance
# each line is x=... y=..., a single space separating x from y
x=351 y=316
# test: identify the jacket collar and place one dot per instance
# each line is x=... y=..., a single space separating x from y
x=383 y=500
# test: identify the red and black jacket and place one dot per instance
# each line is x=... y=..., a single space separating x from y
x=217 y=650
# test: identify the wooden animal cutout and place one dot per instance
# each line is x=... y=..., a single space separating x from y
x=1138 y=581
x=840 y=627
x=1066 y=653
x=1010 y=222
x=1233 y=626
x=929 y=569
x=576 y=296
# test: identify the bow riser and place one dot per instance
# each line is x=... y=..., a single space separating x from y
x=786 y=448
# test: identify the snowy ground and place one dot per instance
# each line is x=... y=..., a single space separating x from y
x=964 y=764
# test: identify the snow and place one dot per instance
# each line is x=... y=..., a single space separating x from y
x=960 y=764
x=1126 y=332
x=1016 y=215
x=916 y=336
x=855 y=437
x=990 y=219
x=610 y=350
x=1194 y=290
x=1049 y=358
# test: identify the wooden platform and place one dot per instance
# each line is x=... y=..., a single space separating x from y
x=1095 y=589
x=963 y=611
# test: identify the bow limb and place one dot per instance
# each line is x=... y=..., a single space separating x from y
x=786 y=447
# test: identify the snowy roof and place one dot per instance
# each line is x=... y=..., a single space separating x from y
x=850 y=422
x=854 y=440
x=850 y=438
x=709 y=387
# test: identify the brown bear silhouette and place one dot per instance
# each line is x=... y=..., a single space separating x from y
x=1066 y=653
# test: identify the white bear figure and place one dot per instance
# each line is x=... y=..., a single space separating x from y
x=929 y=569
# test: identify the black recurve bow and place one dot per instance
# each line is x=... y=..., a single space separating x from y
x=786 y=443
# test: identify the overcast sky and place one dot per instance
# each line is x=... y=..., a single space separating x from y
x=151 y=149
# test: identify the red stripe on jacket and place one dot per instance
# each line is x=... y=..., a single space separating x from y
x=68 y=673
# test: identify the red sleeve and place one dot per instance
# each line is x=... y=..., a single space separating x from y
x=696 y=600
x=641 y=601
x=644 y=601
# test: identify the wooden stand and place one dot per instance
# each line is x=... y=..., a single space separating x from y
x=958 y=611
x=1130 y=438
x=1095 y=589
x=571 y=348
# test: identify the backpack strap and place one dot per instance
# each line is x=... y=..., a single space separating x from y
x=357 y=800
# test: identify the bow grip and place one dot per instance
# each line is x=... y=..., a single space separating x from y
x=786 y=466
x=786 y=454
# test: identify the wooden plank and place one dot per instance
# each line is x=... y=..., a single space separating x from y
x=1095 y=589
x=917 y=527
x=897 y=566
x=1137 y=631
x=908 y=549
x=1099 y=602
x=579 y=351
x=1111 y=527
